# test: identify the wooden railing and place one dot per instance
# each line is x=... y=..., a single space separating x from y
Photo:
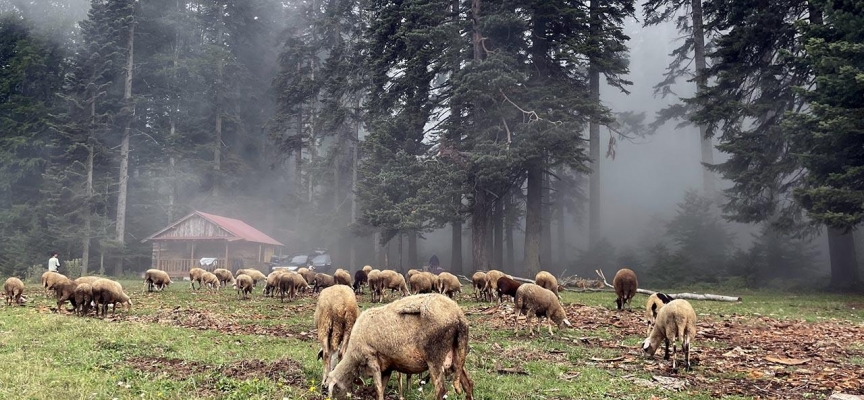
x=180 y=268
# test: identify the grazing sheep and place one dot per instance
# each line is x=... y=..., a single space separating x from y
x=50 y=278
x=420 y=283
x=361 y=278
x=449 y=284
x=210 y=280
x=655 y=302
x=88 y=279
x=83 y=296
x=65 y=290
x=195 y=275
x=367 y=269
x=342 y=277
x=272 y=283
x=105 y=292
x=374 y=281
x=492 y=277
x=432 y=278
x=253 y=273
x=675 y=321
x=322 y=281
x=432 y=336
x=156 y=279
x=411 y=273
x=389 y=279
x=290 y=283
x=335 y=314
x=534 y=300
x=507 y=286
x=625 y=284
x=479 y=282
x=225 y=276
x=308 y=275
x=243 y=284
x=547 y=281
x=13 y=288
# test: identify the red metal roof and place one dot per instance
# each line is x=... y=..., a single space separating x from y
x=239 y=229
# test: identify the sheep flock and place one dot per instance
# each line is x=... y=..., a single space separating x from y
x=433 y=335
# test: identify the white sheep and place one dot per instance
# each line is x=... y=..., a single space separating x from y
x=335 y=315
x=534 y=300
x=675 y=321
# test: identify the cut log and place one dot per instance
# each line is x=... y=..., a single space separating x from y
x=685 y=296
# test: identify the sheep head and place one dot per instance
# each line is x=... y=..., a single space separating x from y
x=560 y=317
x=650 y=345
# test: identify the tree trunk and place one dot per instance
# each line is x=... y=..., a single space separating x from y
x=533 y=222
x=498 y=235
x=456 y=246
x=217 y=144
x=594 y=232
x=509 y=222
x=353 y=257
x=379 y=254
x=707 y=149
x=173 y=180
x=399 y=236
x=844 y=260
x=412 y=250
x=124 y=149
x=561 y=216
x=476 y=37
x=480 y=230
x=546 y=218
x=85 y=254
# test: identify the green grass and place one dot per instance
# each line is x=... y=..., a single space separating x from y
x=155 y=352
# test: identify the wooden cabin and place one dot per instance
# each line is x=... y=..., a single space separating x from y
x=225 y=242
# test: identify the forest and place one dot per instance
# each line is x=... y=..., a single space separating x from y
x=375 y=128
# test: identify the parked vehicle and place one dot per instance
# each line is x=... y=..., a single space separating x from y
x=289 y=262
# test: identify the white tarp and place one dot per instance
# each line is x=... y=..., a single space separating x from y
x=208 y=262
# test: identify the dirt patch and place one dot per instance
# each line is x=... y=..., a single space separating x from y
x=286 y=371
x=205 y=320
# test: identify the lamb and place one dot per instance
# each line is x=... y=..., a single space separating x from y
x=492 y=277
x=308 y=275
x=420 y=283
x=225 y=276
x=322 y=281
x=394 y=281
x=342 y=277
x=195 y=275
x=106 y=291
x=547 y=281
x=210 y=280
x=625 y=284
x=243 y=284
x=253 y=273
x=479 y=282
x=432 y=335
x=13 y=288
x=65 y=290
x=675 y=321
x=157 y=279
x=335 y=314
x=290 y=283
x=507 y=286
x=374 y=280
x=534 y=300
x=655 y=302
x=83 y=296
x=50 y=278
x=449 y=284
x=361 y=278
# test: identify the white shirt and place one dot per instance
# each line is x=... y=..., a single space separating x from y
x=53 y=263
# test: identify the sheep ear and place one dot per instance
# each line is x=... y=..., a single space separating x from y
x=320 y=354
x=664 y=298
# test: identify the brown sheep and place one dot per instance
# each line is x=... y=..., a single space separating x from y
x=449 y=284
x=156 y=279
x=432 y=336
x=492 y=282
x=272 y=283
x=83 y=296
x=225 y=276
x=547 y=281
x=410 y=273
x=420 y=283
x=290 y=283
x=375 y=290
x=479 y=282
x=243 y=284
x=389 y=279
x=335 y=314
x=342 y=277
x=655 y=302
x=308 y=275
x=675 y=321
x=433 y=278
x=361 y=278
x=195 y=275
x=625 y=285
x=367 y=269
x=507 y=286
x=253 y=273
x=322 y=281
x=105 y=292
x=13 y=288
x=88 y=279
x=65 y=290
x=534 y=300
x=210 y=280
x=49 y=279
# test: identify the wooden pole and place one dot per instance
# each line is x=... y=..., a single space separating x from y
x=226 y=255
x=158 y=255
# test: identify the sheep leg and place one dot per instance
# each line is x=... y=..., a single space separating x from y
x=549 y=322
x=674 y=365
x=666 y=355
x=436 y=375
x=407 y=384
x=685 y=347
x=378 y=379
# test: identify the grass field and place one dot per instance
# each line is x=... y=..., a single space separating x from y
x=185 y=344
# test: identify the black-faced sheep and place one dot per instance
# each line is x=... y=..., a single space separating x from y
x=432 y=336
x=195 y=275
x=492 y=277
x=83 y=296
x=210 y=280
x=449 y=284
x=342 y=277
x=507 y=286
x=547 y=281
x=675 y=321
x=420 y=283
x=389 y=279
x=361 y=278
x=156 y=279
x=13 y=288
x=225 y=276
x=322 y=281
x=243 y=284
x=655 y=302
x=479 y=282
x=534 y=300
x=335 y=314
x=625 y=285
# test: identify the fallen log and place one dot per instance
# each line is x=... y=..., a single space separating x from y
x=685 y=296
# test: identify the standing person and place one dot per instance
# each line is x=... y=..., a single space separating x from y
x=54 y=263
